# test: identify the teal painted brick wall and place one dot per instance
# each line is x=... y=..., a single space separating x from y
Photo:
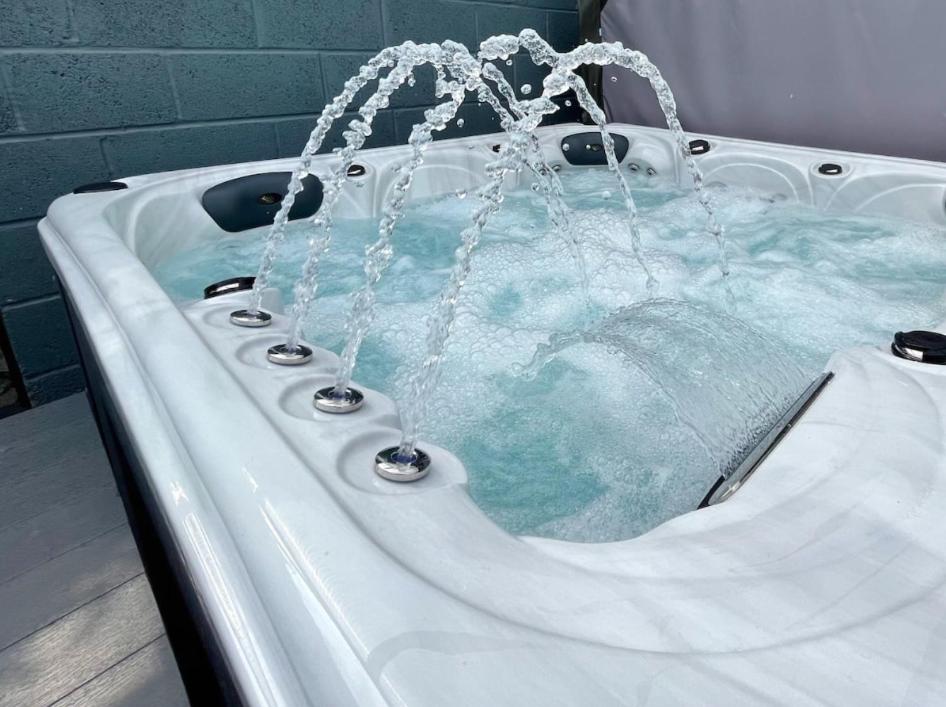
x=99 y=89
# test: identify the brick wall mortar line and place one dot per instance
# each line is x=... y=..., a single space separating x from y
x=73 y=39
x=175 y=94
x=6 y=81
x=105 y=157
x=155 y=127
x=257 y=23
x=174 y=51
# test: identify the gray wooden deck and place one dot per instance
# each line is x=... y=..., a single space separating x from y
x=78 y=622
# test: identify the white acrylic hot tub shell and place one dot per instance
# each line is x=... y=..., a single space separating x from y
x=821 y=580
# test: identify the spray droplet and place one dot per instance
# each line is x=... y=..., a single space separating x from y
x=566 y=147
x=614 y=79
x=568 y=103
x=605 y=195
x=460 y=193
x=460 y=123
x=508 y=62
x=535 y=186
x=526 y=89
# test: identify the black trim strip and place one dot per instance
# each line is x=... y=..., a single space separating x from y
x=98 y=187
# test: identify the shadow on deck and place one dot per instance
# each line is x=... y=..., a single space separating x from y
x=78 y=623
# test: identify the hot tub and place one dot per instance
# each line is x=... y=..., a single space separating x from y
x=292 y=574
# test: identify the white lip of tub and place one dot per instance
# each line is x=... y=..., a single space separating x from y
x=821 y=580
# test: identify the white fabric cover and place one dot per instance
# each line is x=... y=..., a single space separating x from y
x=859 y=75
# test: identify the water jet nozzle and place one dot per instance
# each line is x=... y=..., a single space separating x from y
x=391 y=465
x=286 y=355
x=246 y=318
x=327 y=400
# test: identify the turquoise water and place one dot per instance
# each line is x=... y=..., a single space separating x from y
x=647 y=400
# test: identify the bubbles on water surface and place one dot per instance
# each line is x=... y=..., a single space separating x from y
x=595 y=466
x=526 y=89
x=596 y=243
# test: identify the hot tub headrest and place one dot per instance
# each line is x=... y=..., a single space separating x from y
x=588 y=148
x=252 y=201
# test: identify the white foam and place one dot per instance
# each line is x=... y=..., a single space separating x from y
x=592 y=448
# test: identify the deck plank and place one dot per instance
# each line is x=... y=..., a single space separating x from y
x=54 y=532
x=77 y=616
x=47 y=456
x=55 y=588
x=147 y=678
x=56 y=660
